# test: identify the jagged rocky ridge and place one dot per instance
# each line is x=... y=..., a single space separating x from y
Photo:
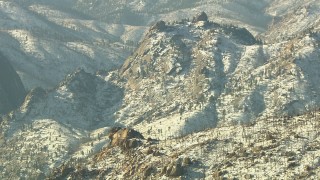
x=84 y=100
x=51 y=125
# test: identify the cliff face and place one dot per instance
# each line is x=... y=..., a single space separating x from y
x=12 y=91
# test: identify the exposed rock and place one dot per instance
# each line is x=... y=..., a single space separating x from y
x=156 y=153
x=80 y=81
x=217 y=174
x=125 y=138
x=164 y=170
x=148 y=171
x=200 y=17
x=113 y=131
x=12 y=91
x=289 y=154
x=228 y=164
x=160 y=26
x=257 y=149
x=186 y=161
x=149 y=151
x=269 y=136
x=293 y=165
x=35 y=95
x=292 y=158
x=173 y=170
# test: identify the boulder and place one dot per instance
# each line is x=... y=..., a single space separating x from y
x=200 y=17
x=148 y=171
x=186 y=161
x=173 y=170
x=159 y=26
x=126 y=138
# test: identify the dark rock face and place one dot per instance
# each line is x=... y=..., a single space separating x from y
x=12 y=92
x=242 y=35
x=173 y=170
x=125 y=138
x=160 y=26
x=201 y=17
x=80 y=81
x=34 y=96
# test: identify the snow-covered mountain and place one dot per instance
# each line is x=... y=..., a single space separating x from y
x=45 y=40
x=206 y=73
x=51 y=125
x=293 y=18
x=53 y=38
x=230 y=93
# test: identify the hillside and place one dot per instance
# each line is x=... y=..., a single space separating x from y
x=46 y=40
x=54 y=38
x=271 y=147
x=206 y=73
x=51 y=125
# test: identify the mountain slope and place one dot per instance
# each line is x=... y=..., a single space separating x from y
x=269 y=148
x=295 y=17
x=44 y=44
x=53 y=38
x=197 y=75
x=51 y=126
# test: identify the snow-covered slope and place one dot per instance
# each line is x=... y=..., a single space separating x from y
x=44 y=43
x=51 y=125
x=292 y=18
x=45 y=40
x=270 y=148
x=197 y=75
x=53 y=38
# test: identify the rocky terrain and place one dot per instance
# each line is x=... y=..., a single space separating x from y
x=196 y=99
x=271 y=147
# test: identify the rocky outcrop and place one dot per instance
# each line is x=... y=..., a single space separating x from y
x=34 y=96
x=160 y=26
x=80 y=80
x=125 y=138
x=12 y=91
x=173 y=170
x=200 y=17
